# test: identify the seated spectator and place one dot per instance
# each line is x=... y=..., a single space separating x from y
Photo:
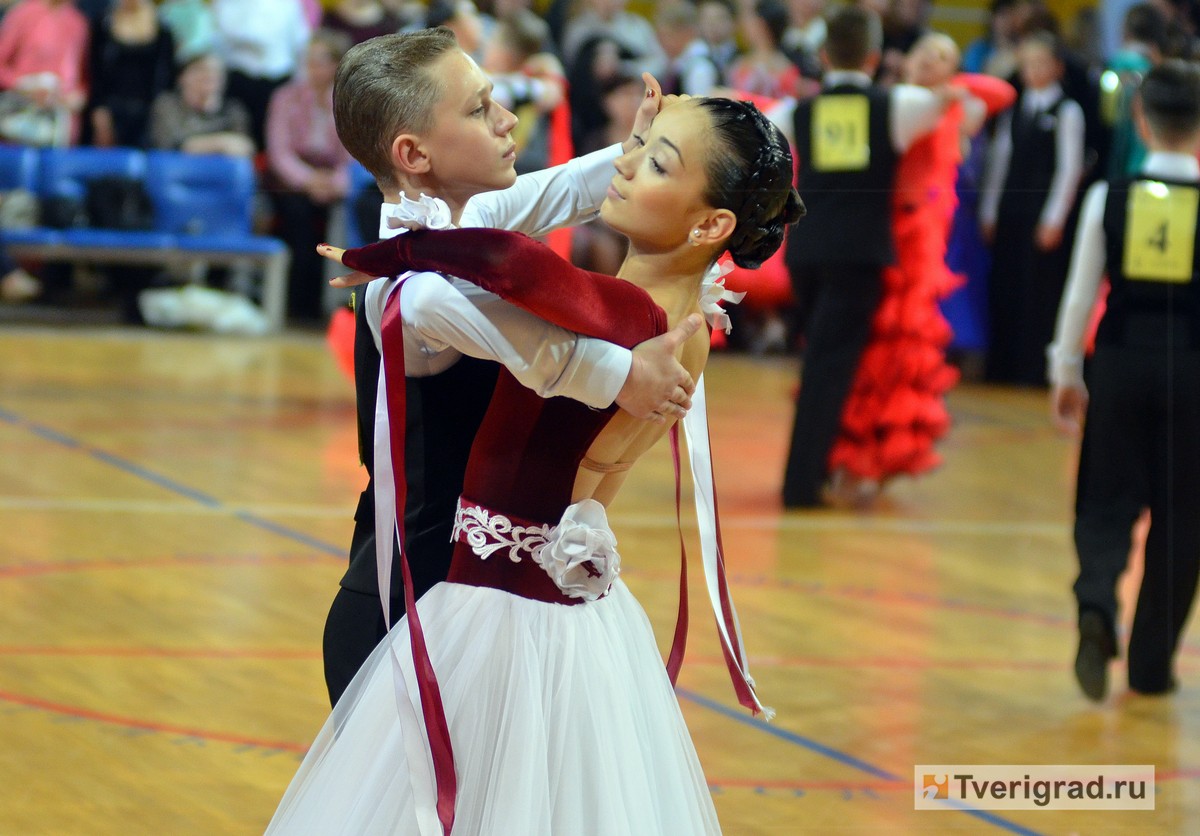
x=43 y=44
x=766 y=70
x=691 y=69
x=197 y=118
x=361 y=20
x=132 y=61
x=308 y=167
x=192 y=27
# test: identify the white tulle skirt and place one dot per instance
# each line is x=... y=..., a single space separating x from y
x=562 y=718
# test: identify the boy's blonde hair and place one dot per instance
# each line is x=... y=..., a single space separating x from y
x=384 y=88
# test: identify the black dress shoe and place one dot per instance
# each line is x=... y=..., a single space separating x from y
x=1097 y=645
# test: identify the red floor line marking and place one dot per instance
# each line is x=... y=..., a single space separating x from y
x=134 y=723
x=842 y=786
x=160 y=652
x=33 y=569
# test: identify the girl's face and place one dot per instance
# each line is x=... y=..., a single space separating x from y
x=469 y=143
x=658 y=190
x=1039 y=65
x=932 y=61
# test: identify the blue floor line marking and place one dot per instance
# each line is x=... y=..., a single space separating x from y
x=834 y=754
x=282 y=530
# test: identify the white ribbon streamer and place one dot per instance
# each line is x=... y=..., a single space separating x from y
x=695 y=427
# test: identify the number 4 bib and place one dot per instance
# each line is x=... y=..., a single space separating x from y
x=840 y=139
x=1160 y=232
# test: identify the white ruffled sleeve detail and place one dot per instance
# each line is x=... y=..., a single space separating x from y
x=429 y=212
x=713 y=292
x=580 y=554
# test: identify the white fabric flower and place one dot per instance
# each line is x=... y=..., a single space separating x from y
x=429 y=212
x=580 y=555
x=712 y=292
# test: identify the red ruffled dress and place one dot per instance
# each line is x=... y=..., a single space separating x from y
x=896 y=412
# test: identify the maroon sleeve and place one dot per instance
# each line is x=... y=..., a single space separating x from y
x=524 y=272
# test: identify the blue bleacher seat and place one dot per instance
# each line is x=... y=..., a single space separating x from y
x=66 y=171
x=18 y=168
x=201 y=195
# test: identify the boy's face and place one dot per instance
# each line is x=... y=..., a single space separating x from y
x=1039 y=65
x=469 y=143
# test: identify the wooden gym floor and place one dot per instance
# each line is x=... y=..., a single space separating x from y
x=174 y=514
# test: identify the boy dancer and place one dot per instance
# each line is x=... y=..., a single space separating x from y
x=1141 y=441
x=417 y=112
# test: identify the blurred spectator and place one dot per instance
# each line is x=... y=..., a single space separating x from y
x=996 y=52
x=43 y=47
x=904 y=22
x=690 y=69
x=632 y=33
x=806 y=28
x=1145 y=35
x=599 y=65
x=308 y=167
x=529 y=81
x=132 y=61
x=192 y=26
x=197 y=117
x=765 y=69
x=718 y=27
x=361 y=20
x=596 y=247
x=460 y=17
x=1027 y=210
x=261 y=42
x=1079 y=83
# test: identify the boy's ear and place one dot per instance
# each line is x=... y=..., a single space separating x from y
x=409 y=155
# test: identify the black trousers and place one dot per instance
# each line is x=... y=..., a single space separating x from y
x=255 y=94
x=302 y=224
x=353 y=629
x=1141 y=447
x=838 y=303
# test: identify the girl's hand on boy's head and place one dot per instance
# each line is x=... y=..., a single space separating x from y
x=649 y=108
x=350 y=279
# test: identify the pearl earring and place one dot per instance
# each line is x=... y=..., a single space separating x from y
x=695 y=242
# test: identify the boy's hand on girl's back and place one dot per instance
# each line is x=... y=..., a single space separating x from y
x=1068 y=404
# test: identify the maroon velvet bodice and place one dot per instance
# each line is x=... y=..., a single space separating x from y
x=526 y=454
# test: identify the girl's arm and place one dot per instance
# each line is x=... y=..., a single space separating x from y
x=524 y=272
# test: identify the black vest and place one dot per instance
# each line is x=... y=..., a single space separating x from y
x=444 y=412
x=1031 y=167
x=1141 y=313
x=849 y=218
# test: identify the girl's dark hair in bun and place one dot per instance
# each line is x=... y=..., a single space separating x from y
x=750 y=173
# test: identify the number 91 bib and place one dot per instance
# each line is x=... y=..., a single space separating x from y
x=1160 y=232
x=840 y=136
